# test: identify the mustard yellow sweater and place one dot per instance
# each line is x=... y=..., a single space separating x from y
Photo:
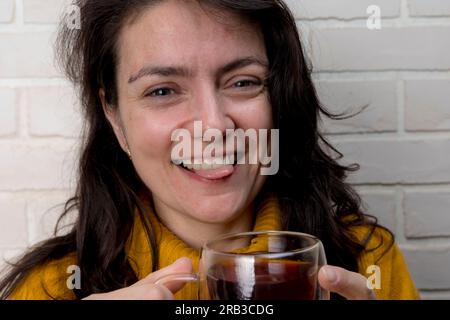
x=396 y=282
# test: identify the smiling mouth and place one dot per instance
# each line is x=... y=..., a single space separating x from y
x=211 y=170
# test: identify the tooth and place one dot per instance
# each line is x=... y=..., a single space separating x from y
x=209 y=164
x=240 y=158
x=228 y=159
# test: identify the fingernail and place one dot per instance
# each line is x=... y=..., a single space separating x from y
x=331 y=275
x=181 y=260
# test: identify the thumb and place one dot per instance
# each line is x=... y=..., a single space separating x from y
x=182 y=265
x=350 y=285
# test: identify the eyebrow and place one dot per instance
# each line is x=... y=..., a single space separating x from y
x=241 y=63
x=167 y=71
x=161 y=71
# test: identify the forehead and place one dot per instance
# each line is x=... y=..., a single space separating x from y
x=182 y=32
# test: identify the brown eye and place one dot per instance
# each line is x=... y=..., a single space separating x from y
x=246 y=83
x=161 y=92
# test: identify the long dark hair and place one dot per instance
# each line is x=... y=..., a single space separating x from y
x=310 y=183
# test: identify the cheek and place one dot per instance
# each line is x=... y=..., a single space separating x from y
x=149 y=136
x=256 y=114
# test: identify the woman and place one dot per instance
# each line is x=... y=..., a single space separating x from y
x=146 y=68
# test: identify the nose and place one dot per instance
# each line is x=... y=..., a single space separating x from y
x=211 y=109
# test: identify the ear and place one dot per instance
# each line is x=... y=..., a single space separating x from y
x=113 y=116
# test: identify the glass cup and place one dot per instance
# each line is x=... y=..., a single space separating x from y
x=265 y=265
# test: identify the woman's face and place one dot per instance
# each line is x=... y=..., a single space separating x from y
x=178 y=64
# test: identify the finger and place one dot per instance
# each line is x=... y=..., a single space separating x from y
x=350 y=285
x=182 y=265
x=142 y=292
x=150 y=292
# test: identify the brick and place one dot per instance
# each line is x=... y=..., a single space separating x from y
x=429 y=8
x=410 y=48
x=13 y=230
x=391 y=161
x=382 y=205
x=43 y=11
x=346 y=9
x=53 y=111
x=348 y=97
x=426 y=214
x=27 y=55
x=6 y=10
x=43 y=212
x=9 y=255
x=8 y=120
x=429 y=267
x=435 y=295
x=430 y=111
x=36 y=167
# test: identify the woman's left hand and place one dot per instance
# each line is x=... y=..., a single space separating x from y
x=350 y=285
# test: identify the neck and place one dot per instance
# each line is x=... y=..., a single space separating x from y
x=194 y=232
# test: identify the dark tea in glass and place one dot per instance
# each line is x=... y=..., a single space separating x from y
x=269 y=280
x=263 y=265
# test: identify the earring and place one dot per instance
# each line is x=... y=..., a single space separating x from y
x=128 y=153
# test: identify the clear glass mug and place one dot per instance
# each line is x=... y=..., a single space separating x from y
x=265 y=265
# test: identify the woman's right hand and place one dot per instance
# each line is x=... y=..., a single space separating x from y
x=146 y=289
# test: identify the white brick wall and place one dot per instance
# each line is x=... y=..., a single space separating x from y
x=427 y=105
x=27 y=55
x=13 y=228
x=8 y=116
x=341 y=9
x=391 y=160
x=351 y=96
x=6 y=10
x=420 y=221
x=407 y=48
x=52 y=111
x=43 y=11
x=429 y=8
x=401 y=140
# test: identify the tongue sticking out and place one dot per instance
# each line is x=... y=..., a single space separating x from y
x=215 y=174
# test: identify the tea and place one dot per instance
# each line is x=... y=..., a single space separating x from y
x=262 y=280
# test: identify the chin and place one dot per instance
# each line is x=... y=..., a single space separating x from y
x=216 y=212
